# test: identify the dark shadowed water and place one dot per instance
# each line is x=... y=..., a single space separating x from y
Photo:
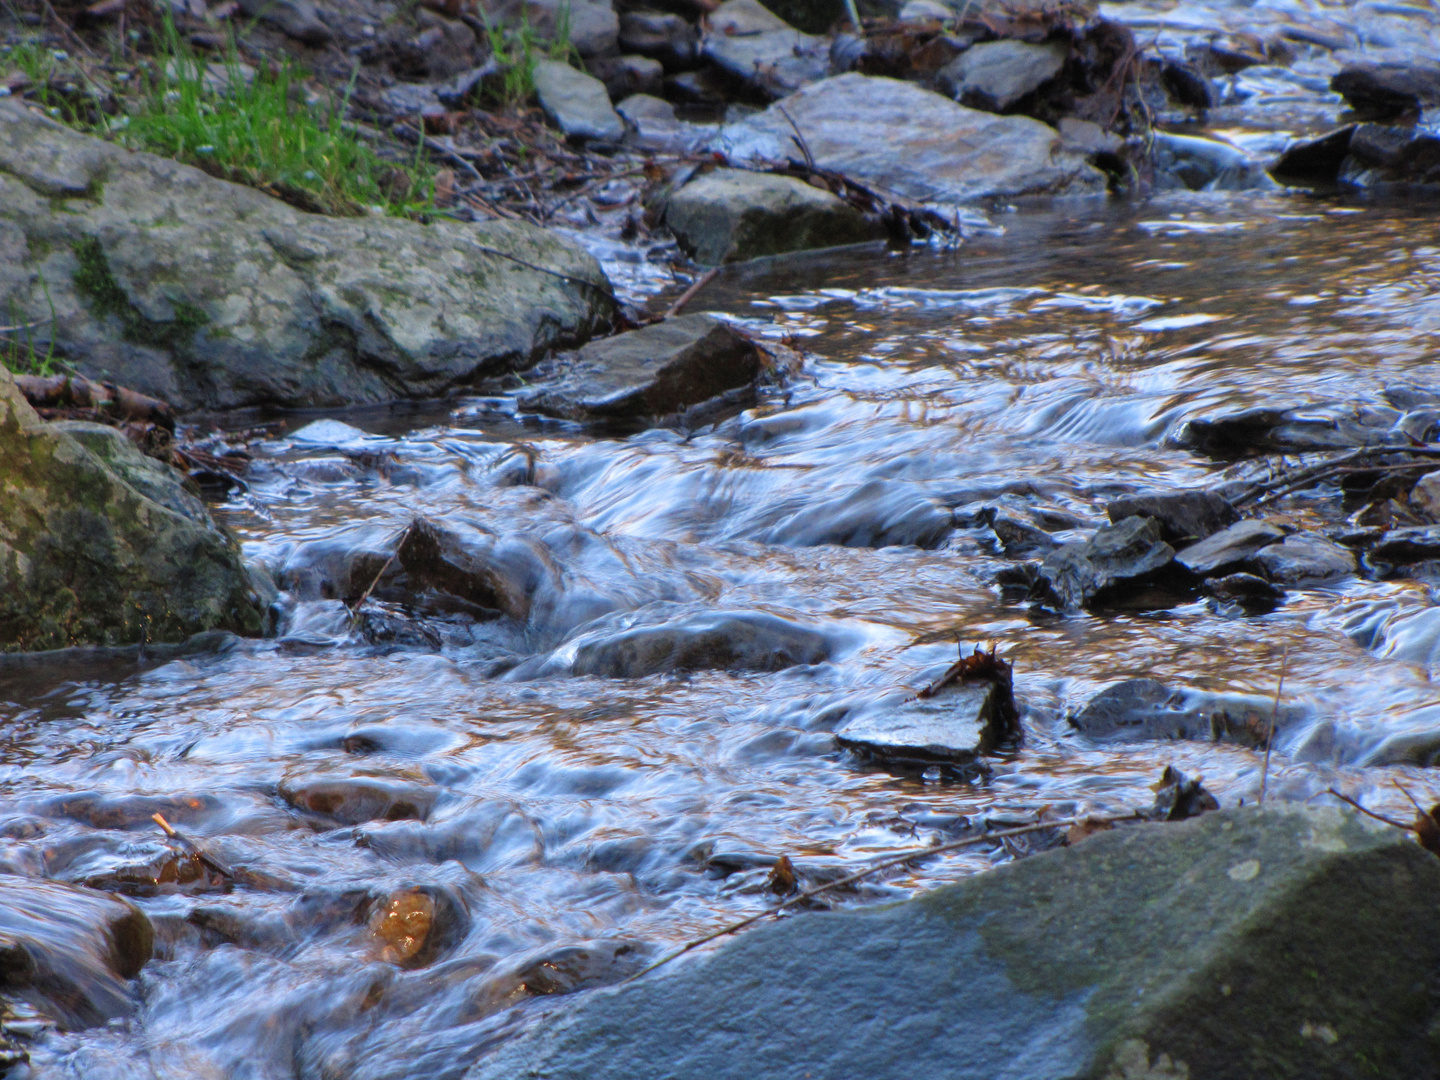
x=567 y=828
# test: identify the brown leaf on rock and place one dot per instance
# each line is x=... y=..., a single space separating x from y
x=981 y=665
x=782 y=880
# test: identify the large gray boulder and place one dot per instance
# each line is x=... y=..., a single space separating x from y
x=209 y=295
x=729 y=215
x=101 y=545
x=898 y=138
x=1251 y=944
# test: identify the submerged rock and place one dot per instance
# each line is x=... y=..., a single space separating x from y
x=577 y=102
x=846 y=120
x=1159 y=950
x=1387 y=89
x=663 y=368
x=68 y=951
x=1183 y=515
x=1229 y=549
x=880 y=513
x=102 y=545
x=1115 y=566
x=698 y=641
x=211 y=295
x=730 y=215
x=1272 y=430
x=1409 y=544
x=997 y=75
x=1139 y=709
x=353 y=800
x=1383 y=155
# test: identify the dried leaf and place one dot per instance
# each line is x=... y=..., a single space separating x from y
x=1086 y=828
x=1427 y=829
x=782 y=880
x=989 y=667
x=1177 y=797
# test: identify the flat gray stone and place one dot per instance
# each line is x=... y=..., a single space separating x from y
x=729 y=215
x=661 y=369
x=578 y=103
x=950 y=727
x=907 y=141
x=1229 y=548
x=1303 y=938
x=995 y=75
x=700 y=641
x=1306 y=559
x=1183 y=515
x=1409 y=544
x=210 y=295
x=756 y=46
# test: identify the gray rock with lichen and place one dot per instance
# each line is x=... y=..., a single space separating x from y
x=1281 y=941
x=99 y=545
x=211 y=295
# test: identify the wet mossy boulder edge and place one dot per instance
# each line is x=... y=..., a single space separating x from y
x=1252 y=943
x=100 y=545
x=210 y=295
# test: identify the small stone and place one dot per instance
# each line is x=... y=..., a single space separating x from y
x=353 y=800
x=1409 y=544
x=1184 y=516
x=578 y=103
x=1247 y=593
x=1113 y=566
x=661 y=369
x=1383 y=90
x=926 y=11
x=996 y=75
x=730 y=215
x=627 y=75
x=639 y=107
x=1305 y=559
x=1229 y=548
x=1145 y=709
x=953 y=727
x=749 y=43
x=1425 y=496
x=414 y=927
x=668 y=38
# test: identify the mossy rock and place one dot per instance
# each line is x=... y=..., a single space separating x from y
x=100 y=545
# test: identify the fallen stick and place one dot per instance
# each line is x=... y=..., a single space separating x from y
x=191 y=848
x=689 y=294
x=1274 y=715
x=74 y=392
x=886 y=864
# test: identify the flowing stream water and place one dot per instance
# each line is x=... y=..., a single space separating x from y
x=569 y=829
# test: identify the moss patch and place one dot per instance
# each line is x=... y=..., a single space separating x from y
x=95 y=282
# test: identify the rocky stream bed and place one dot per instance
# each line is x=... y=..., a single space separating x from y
x=558 y=649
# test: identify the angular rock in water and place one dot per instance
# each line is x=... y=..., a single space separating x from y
x=880 y=513
x=1269 y=430
x=68 y=951
x=667 y=38
x=953 y=727
x=844 y=119
x=1158 y=950
x=1246 y=594
x=1425 y=496
x=1381 y=155
x=577 y=102
x=1229 y=548
x=1305 y=559
x=623 y=76
x=729 y=215
x=1207 y=164
x=486 y=575
x=698 y=641
x=1410 y=544
x=997 y=75
x=759 y=48
x=415 y=927
x=1143 y=709
x=1314 y=162
x=1183 y=515
x=210 y=295
x=102 y=545
x=1384 y=90
x=1116 y=565
x=663 y=368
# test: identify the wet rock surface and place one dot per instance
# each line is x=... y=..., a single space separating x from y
x=102 y=545
x=260 y=303
x=1183 y=515
x=1230 y=548
x=953 y=727
x=577 y=102
x=845 y=118
x=1114 y=567
x=661 y=369
x=1148 y=709
x=69 y=952
x=730 y=215
x=1303 y=558
x=1232 y=899
x=997 y=75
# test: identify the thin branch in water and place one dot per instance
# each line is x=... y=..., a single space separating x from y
x=1369 y=813
x=1274 y=715
x=689 y=294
